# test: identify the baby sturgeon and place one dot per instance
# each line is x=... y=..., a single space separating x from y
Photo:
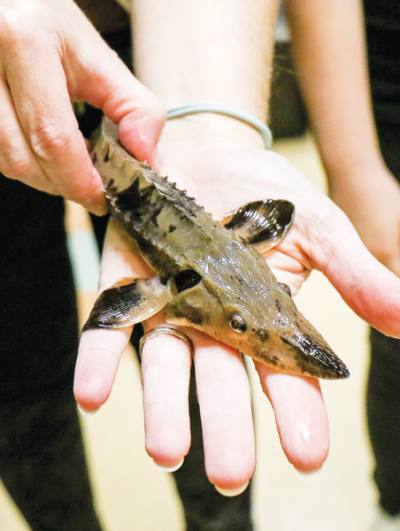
x=211 y=276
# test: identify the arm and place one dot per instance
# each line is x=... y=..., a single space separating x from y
x=329 y=48
x=216 y=51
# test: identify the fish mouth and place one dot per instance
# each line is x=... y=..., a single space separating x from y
x=317 y=360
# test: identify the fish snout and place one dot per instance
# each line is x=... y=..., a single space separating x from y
x=313 y=356
x=296 y=351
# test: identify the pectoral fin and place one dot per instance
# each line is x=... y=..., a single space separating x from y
x=128 y=302
x=262 y=224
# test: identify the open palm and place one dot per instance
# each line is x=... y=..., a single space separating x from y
x=223 y=176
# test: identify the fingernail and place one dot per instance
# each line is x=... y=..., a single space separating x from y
x=310 y=474
x=97 y=208
x=86 y=412
x=232 y=492
x=168 y=469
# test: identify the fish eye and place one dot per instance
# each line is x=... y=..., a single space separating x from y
x=285 y=288
x=238 y=324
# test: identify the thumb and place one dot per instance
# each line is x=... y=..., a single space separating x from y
x=105 y=82
x=368 y=287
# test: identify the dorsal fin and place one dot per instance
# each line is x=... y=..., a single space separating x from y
x=262 y=224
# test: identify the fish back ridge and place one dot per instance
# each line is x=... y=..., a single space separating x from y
x=162 y=219
x=113 y=153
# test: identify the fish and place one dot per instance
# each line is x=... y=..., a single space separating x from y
x=209 y=275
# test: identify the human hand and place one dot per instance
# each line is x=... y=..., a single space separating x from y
x=223 y=175
x=51 y=54
x=371 y=199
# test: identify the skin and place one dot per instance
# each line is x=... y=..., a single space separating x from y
x=329 y=46
x=40 y=143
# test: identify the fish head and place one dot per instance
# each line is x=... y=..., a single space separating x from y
x=284 y=339
x=269 y=329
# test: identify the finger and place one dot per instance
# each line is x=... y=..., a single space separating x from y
x=300 y=415
x=100 y=350
x=16 y=157
x=226 y=416
x=99 y=355
x=166 y=365
x=17 y=160
x=119 y=259
x=40 y=95
x=370 y=289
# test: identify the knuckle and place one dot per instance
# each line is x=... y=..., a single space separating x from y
x=50 y=142
x=18 y=22
x=15 y=165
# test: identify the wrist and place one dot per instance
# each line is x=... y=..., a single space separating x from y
x=364 y=175
x=350 y=157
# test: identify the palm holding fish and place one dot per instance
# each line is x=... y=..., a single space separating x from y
x=214 y=174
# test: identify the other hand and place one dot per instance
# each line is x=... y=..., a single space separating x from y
x=50 y=55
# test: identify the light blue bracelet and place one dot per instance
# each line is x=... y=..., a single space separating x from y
x=227 y=110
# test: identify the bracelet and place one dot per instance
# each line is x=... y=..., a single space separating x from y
x=227 y=110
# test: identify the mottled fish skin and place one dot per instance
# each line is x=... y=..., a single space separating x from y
x=218 y=284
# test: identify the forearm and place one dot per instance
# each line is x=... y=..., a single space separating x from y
x=196 y=50
x=329 y=48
